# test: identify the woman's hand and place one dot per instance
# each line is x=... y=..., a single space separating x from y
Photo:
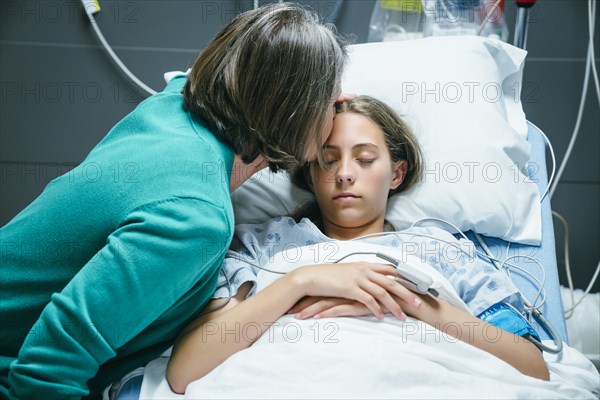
x=367 y=283
x=345 y=97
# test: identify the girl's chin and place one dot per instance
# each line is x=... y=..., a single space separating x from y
x=351 y=220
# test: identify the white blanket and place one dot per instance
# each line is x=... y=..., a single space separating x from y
x=367 y=358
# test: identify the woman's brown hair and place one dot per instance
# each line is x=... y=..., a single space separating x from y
x=265 y=83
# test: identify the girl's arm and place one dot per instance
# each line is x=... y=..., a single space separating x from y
x=514 y=350
x=211 y=339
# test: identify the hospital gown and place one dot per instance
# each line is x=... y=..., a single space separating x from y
x=487 y=292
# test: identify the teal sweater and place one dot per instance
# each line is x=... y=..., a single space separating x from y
x=109 y=263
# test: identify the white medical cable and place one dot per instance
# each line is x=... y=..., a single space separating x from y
x=488 y=254
x=567 y=259
x=229 y=294
x=541 y=285
x=440 y=220
x=591 y=23
x=90 y=10
x=504 y=262
x=551 y=179
x=507 y=249
x=589 y=61
x=533 y=310
x=493 y=259
x=569 y=311
x=588 y=289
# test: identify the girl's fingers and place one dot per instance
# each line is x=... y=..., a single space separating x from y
x=396 y=288
x=383 y=296
x=384 y=269
x=318 y=307
x=353 y=309
x=304 y=303
x=369 y=301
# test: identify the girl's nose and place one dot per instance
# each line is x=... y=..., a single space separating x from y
x=344 y=174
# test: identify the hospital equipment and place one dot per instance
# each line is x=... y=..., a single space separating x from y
x=413 y=19
x=91 y=8
x=521 y=27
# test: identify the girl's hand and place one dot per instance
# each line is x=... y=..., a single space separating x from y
x=366 y=283
x=327 y=307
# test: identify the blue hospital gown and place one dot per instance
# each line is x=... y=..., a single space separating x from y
x=481 y=286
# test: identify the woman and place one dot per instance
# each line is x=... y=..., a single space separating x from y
x=369 y=155
x=150 y=204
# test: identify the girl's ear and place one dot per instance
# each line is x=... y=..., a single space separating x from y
x=399 y=170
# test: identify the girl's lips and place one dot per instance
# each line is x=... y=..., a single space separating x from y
x=345 y=197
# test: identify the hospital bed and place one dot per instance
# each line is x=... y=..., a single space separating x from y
x=543 y=250
x=545 y=254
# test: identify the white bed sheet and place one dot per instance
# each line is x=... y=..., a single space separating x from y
x=366 y=358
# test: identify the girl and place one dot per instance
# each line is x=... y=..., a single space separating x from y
x=370 y=154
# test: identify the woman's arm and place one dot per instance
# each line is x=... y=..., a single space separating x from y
x=211 y=339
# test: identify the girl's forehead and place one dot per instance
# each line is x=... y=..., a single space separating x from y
x=350 y=127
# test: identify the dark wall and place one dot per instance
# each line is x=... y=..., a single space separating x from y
x=61 y=94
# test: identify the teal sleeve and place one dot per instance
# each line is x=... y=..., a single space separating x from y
x=148 y=264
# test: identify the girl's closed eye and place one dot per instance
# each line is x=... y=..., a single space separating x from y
x=330 y=162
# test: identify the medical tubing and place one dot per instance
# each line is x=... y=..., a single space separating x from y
x=478 y=253
x=533 y=311
x=586 y=79
x=589 y=61
x=441 y=220
x=487 y=17
x=387 y=258
x=567 y=261
x=551 y=149
x=229 y=294
x=542 y=285
x=499 y=268
x=588 y=289
x=115 y=58
x=592 y=22
x=553 y=334
x=354 y=254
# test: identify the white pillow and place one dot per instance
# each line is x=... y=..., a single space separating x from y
x=461 y=97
